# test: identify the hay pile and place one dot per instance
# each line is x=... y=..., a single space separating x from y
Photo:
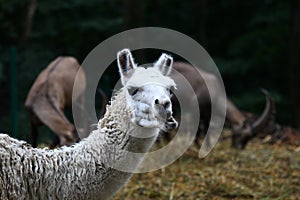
x=260 y=171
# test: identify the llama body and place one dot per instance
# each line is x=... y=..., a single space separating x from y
x=88 y=170
x=70 y=172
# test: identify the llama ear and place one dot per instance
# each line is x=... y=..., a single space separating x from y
x=126 y=65
x=164 y=64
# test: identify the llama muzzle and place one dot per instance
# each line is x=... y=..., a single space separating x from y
x=171 y=124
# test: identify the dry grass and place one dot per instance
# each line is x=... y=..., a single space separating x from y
x=260 y=171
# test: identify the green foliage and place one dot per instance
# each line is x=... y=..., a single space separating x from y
x=59 y=28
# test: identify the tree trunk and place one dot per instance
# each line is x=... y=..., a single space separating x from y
x=28 y=21
x=293 y=71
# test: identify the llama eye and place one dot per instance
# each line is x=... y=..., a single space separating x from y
x=133 y=90
x=170 y=90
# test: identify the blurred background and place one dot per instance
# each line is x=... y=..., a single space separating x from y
x=254 y=44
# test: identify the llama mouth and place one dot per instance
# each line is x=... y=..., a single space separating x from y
x=170 y=124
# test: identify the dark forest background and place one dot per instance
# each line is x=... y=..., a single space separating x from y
x=254 y=43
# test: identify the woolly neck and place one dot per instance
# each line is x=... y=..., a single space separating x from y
x=118 y=113
x=114 y=136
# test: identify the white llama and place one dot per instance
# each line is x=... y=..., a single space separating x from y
x=86 y=170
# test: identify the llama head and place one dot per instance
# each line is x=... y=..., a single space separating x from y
x=148 y=91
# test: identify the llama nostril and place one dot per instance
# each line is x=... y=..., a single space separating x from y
x=156 y=101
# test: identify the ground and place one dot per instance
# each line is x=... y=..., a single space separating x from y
x=261 y=171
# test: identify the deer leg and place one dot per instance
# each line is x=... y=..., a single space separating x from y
x=34 y=134
x=55 y=142
x=202 y=131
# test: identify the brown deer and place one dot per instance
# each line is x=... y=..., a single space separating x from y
x=243 y=130
x=50 y=94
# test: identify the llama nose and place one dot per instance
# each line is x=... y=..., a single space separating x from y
x=169 y=114
x=165 y=103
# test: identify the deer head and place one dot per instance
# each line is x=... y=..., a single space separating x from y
x=244 y=132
